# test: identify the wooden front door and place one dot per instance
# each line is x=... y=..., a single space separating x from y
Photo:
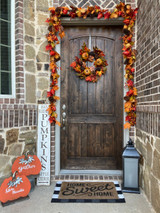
x=93 y=134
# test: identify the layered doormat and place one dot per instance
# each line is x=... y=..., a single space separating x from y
x=87 y=192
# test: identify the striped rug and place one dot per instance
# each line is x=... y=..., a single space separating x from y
x=87 y=192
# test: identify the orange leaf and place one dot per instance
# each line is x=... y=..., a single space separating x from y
x=134 y=91
x=54 y=18
x=56 y=98
x=114 y=15
x=73 y=64
x=62 y=34
x=58 y=123
x=82 y=10
x=127 y=125
x=55 y=87
x=49 y=111
x=52 y=65
x=52 y=8
x=127 y=106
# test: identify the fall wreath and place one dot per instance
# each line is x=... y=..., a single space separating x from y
x=91 y=73
x=129 y=54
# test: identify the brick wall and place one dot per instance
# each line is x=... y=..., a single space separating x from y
x=83 y=3
x=110 y=4
x=18 y=120
x=148 y=110
x=19 y=53
x=19 y=115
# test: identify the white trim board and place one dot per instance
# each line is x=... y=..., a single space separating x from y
x=91 y=172
x=67 y=21
x=58 y=110
x=57 y=128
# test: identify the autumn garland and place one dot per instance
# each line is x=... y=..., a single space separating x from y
x=55 y=29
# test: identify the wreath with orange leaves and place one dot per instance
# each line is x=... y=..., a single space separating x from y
x=55 y=28
x=93 y=73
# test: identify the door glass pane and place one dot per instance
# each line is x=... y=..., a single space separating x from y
x=5 y=58
x=5 y=33
x=5 y=83
x=5 y=9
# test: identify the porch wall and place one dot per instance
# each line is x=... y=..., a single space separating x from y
x=18 y=116
x=108 y=4
x=148 y=110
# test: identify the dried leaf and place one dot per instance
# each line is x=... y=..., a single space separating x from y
x=73 y=64
x=62 y=34
x=135 y=91
x=127 y=125
x=58 y=123
x=56 y=97
x=127 y=106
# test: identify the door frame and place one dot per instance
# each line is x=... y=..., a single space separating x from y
x=84 y=22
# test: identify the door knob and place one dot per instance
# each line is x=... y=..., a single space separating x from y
x=63 y=106
x=63 y=122
x=64 y=115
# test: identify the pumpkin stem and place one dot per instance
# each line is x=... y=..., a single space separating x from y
x=26 y=155
x=14 y=175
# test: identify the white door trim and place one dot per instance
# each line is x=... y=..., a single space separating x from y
x=58 y=171
x=58 y=110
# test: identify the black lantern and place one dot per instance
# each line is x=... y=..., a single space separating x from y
x=130 y=169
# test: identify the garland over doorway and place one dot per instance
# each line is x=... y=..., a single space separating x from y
x=55 y=28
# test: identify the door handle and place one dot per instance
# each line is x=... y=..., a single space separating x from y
x=64 y=115
x=63 y=106
x=64 y=124
x=63 y=121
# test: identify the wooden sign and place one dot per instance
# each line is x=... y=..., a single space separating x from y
x=43 y=145
x=27 y=165
x=12 y=189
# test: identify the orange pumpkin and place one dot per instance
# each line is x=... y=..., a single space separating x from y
x=87 y=71
x=128 y=6
x=98 y=62
x=85 y=56
x=12 y=189
x=30 y=166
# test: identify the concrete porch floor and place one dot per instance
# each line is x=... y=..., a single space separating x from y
x=40 y=202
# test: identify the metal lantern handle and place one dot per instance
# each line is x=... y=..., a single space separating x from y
x=130 y=142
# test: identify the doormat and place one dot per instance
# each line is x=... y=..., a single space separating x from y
x=87 y=192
